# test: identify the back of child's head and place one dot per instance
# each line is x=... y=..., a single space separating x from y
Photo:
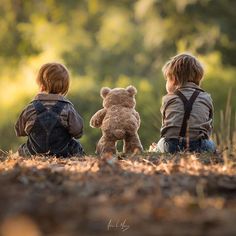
x=54 y=78
x=184 y=68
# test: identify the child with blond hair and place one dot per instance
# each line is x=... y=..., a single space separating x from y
x=187 y=110
x=50 y=121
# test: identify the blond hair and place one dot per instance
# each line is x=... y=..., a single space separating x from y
x=184 y=68
x=54 y=78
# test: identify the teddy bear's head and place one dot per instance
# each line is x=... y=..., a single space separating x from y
x=119 y=96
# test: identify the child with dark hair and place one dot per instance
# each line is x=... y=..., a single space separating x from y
x=50 y=120
x=187 y=110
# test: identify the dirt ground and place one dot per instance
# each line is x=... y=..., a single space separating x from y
x=121 y=195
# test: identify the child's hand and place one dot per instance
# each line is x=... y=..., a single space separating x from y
x=153 y=147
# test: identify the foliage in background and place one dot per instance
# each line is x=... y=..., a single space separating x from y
x=112 y=43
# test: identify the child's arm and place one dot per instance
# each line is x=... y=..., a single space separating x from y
x=211 y=112
x=20 y=124
x=75 y=123
x=97 y=118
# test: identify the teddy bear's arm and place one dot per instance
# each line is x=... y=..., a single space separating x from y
x=97 y=118
x=136 y=114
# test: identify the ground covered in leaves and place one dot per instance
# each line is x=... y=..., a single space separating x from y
x=122 y=195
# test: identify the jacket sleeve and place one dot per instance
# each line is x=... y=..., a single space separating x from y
x=20 y=124
x=211 y=112
x=163 y=104
x=75 y=123
x=166 y=101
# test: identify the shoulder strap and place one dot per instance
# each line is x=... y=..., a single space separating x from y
x=183 y=98
x=188 y=105
x=39 y=107
x=58 y=107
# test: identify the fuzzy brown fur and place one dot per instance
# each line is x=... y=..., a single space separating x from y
x=118 y=120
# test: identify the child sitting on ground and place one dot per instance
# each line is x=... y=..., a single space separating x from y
x=50 y=120
x=187 y=110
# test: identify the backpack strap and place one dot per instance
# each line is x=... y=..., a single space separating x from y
x=58 y=107
x=39 y=107
x=188 y=105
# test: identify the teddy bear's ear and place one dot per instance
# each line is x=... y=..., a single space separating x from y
x=104 y=91
x=132 y=90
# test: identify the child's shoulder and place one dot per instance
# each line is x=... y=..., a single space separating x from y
x=29 y=107
x=190 y=87
x=168 y=98
x=172 y=98
x=206 y=97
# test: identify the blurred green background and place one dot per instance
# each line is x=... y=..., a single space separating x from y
x=112 y=43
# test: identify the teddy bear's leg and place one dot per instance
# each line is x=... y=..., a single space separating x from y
x=132 y=144
x=106 y=145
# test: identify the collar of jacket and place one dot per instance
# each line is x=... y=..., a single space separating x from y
x=191 y=85
x=50 y=97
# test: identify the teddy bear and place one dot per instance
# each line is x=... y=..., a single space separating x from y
x=118 y=120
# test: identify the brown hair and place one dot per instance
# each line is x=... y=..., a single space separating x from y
x=54 y=77
x=184 y=68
